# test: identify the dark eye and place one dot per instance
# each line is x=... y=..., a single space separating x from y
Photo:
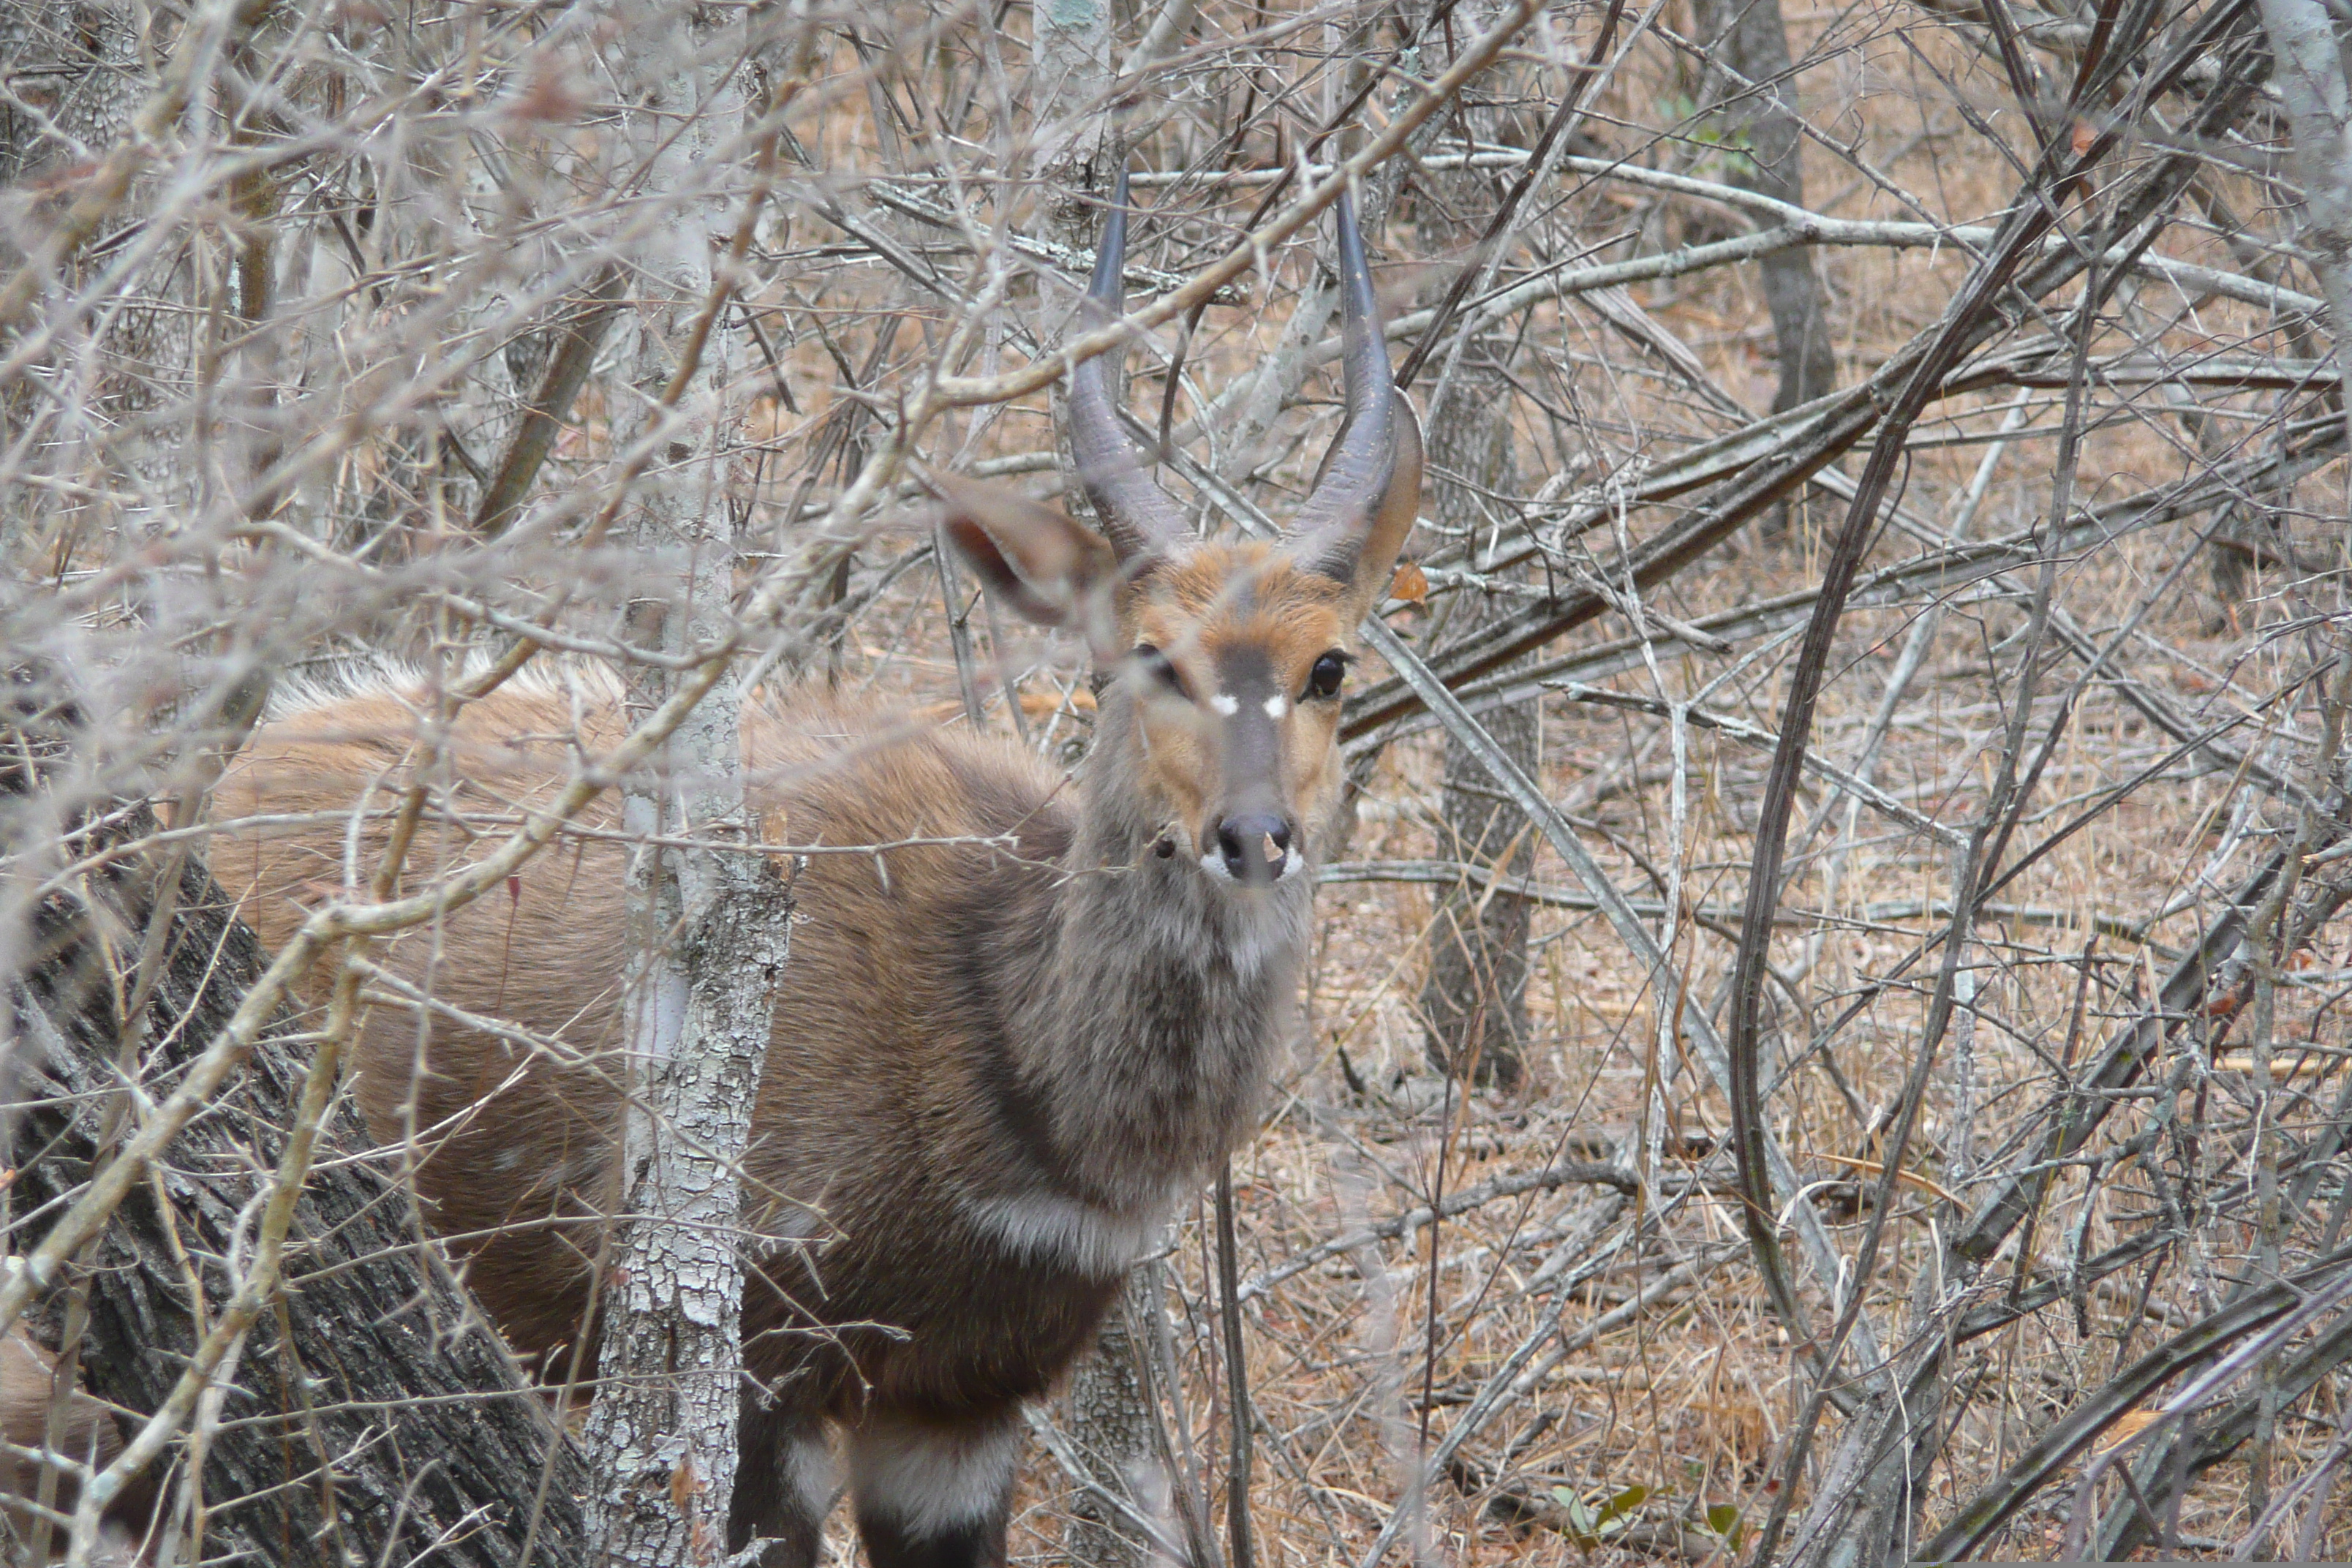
x=1161 y=668
x=1324 y=679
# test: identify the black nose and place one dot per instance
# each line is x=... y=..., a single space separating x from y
x=1253 y=845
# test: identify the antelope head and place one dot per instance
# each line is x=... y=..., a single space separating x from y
x=1230 y=654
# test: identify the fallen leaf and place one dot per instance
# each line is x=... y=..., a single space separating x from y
x=1410 y=584
x=2126 y=1427
x=2282 y=1066
x=1909 y=1178
x=547 y=98
x=1046 y=704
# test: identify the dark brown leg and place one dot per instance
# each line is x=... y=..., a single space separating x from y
x=784 y=1485
x=933 y=1494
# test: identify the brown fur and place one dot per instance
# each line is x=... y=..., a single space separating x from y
x=987 y=1058
x=87 y=1434
x=998 y=1063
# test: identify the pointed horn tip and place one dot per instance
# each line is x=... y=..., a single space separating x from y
x=1110 y=250
x=1355 y=269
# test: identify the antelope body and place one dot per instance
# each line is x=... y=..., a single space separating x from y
x=996 y=1065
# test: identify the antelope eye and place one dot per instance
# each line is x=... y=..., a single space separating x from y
x=1161 y=668
x=1329 y=670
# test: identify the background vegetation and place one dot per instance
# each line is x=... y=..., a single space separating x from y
x=1827 y=1038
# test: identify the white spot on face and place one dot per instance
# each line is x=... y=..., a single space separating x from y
x=930 y=1480
x=1226 y=703
x=1285 y=866
x=1283 y=869
x=1276 y=707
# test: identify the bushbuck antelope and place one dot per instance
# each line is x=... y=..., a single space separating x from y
x=86 y=1433
x=995 y=1068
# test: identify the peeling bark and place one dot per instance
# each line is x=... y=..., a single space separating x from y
x=664 y=1422
x=710 y=920
x=1112 y=1420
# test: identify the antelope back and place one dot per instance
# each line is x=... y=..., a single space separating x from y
x=502 y=1087
x=86 y=1433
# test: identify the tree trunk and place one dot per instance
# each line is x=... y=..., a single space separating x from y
x=710 y=921
x=1474 y=1005
x=79 y=66
x=666 y=1412
x=84 y=68
x=1110 y=1414
x=1874 y=1487
x=2308 y=44
x=1761 y=120
x=374 y=1416
x=2307 y=41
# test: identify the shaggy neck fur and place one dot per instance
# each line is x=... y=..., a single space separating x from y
x=1148 y=1026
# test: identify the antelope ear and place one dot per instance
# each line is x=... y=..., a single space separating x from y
x=1047 y=568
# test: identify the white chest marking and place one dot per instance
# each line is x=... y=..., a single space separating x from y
x=931 y=1480
x=811 y=1474
x=1080 y=1236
